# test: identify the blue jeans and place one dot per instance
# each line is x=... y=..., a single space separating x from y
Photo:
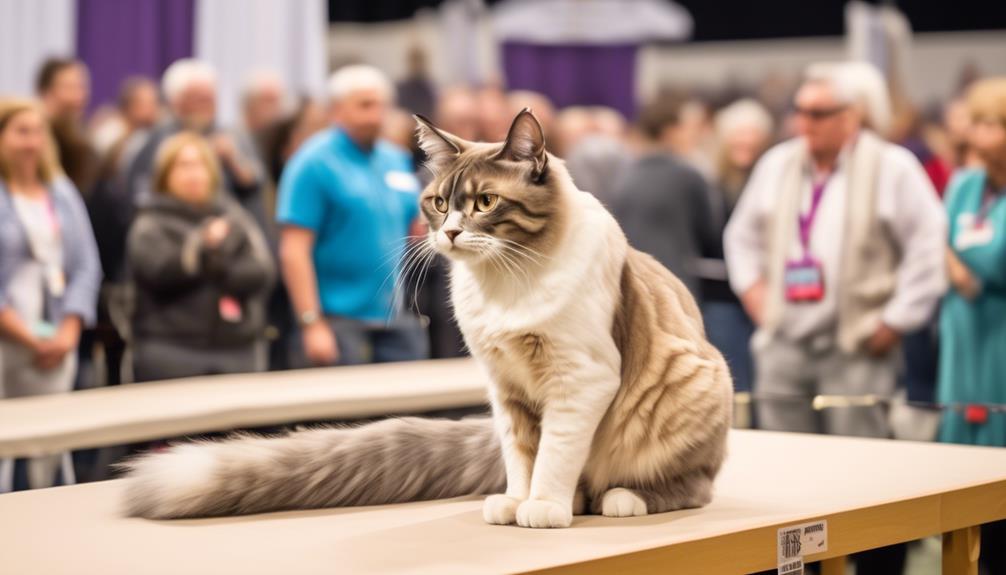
x=360 y=342
x=729 y=328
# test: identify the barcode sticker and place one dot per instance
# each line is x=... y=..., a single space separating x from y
x=792 y=568
x=796 y=541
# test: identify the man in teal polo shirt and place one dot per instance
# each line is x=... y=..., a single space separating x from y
x=347 y=202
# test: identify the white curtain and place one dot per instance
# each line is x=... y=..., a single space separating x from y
x=591 y=21
x=242 y=36
x=30 y=32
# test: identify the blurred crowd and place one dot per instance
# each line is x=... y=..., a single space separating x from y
x=845 y=243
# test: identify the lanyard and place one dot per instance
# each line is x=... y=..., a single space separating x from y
x=989 y=198
x=806 y=221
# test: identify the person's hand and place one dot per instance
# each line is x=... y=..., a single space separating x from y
x=225 y=147
x=883 y=341
x=232 y=159
x=964 y=281
x=320 y=345
x=215 y=232
x=50 y=353
x=753 y=301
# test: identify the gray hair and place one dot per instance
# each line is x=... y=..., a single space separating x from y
x=357 y=77
x=859 y=84
x=183 y=73
x=259 y=81
x=744 y=113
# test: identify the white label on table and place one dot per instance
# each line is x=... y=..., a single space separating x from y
x=798 y=540
x=791 y=567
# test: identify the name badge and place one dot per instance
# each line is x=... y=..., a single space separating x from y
x=804 y=281
x=402 y=181
x=44 y=330
x=972 y=232
x=55 y=280
x=230 y=309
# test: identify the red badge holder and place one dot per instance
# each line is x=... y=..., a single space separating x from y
x=976 y=414
x=804 y=281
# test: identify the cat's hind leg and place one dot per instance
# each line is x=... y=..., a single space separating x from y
x=688 y=491
x=622 y=502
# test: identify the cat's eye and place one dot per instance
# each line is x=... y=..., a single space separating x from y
x=486 y=202
x=440 y=204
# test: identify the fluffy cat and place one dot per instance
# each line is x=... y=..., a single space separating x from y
x=606 y=396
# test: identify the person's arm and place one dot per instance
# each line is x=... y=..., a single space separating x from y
x=83 y=283
x=13 y=328
x=702 y=216
x=301 y=211
x=919 y=227
x=743 y=242
x=243 y=170
x=961 y=277
x=162 y=263
x=248 y=265
x=295 y=248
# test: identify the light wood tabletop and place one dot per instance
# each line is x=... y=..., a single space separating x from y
x=116 y=415
x=870 y=492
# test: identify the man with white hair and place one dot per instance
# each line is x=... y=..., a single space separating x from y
x=263 y=100
x=836 y=250
x=347 y=200
x=190 y=90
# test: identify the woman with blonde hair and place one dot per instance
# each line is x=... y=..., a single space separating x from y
x=743 y=131
x=49 y=272
x=973 y=317
x=202 y=271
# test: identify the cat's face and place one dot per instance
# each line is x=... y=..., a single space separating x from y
x=490 y=203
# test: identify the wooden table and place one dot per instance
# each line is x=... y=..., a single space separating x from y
x=871 y=492
x=117 y=415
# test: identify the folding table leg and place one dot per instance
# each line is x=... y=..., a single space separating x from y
x=960 y=551
x=834 y=566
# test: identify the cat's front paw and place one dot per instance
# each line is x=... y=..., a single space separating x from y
x=621 y=502
x=500 y=509
x=541 y=513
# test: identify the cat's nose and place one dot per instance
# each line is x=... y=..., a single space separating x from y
x=451 y=234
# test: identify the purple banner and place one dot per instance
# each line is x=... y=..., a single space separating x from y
x=122 y=38
x=573 y=75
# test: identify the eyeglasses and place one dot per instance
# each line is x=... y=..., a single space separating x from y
x=819 y=113
x=988 y=121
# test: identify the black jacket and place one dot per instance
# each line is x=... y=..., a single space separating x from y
x=186 y=291
x=663 y=208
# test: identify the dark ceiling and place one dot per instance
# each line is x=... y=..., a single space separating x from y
x=747 y=19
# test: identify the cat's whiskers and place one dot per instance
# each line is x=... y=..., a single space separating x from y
x=400 y=257
x=520 y=256
x=513 y=267
x=424 y=268
x=418 y=253
x=539 y=257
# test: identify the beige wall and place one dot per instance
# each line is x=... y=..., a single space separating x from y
x=935 y=60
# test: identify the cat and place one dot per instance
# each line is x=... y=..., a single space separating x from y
x=606 y=396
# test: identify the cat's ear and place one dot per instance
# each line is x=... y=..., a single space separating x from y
x=525 y=142
x=441 y=148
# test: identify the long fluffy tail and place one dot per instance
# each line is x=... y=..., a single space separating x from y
x=390 y=461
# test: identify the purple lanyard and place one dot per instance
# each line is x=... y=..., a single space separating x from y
x=989 y=198
x=807 y=220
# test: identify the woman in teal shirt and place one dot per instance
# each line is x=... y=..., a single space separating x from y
x=973 y=318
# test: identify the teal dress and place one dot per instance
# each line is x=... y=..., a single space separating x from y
x=973 y=333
